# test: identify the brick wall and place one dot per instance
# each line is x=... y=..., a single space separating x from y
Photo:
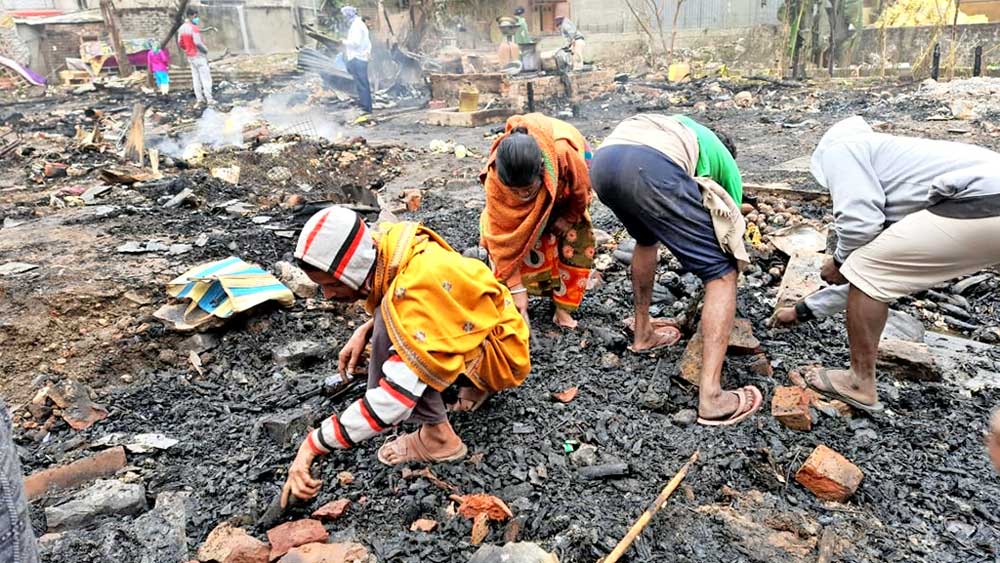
x=140 y=23
x=60 y=41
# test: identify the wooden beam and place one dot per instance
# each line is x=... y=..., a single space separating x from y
x=176 y=24
x=111 y=22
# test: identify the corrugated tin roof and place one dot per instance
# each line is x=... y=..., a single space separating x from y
x=85 y=16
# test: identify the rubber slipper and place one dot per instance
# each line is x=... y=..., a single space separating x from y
x=411 y=449
x=479 y=400
x=657 y=322
x=830 y=392
x=663 y=344
x=743 y=409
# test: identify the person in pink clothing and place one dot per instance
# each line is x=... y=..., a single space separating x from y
x=158 y=62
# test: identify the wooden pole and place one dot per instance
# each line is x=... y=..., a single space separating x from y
x=111 y=21
x=176 y=24
x=834 y=14
x=954 y=41
x=135 y=143
x=647 y=516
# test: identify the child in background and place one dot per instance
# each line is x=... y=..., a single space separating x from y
x=158 y=61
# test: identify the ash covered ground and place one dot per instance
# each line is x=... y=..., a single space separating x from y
x=929 y=493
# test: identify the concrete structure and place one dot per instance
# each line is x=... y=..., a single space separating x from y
x=53 y=29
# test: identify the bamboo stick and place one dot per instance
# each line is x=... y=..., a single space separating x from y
x=647 y=516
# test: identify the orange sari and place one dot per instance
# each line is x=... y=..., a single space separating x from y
x=518 y=235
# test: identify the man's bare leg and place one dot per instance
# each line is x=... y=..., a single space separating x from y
x=717 y=318
x=439 y=439
x=643 y=271
x=865 y=320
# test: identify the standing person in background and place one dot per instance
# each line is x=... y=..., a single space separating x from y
x=158 y=63
x=521 y=36
x=189 y=40
x=357 y=50
x=17 y=540
x=575 y=40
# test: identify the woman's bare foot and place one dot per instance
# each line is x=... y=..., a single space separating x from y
x=844 y=384
x=993 y=440
x=431 y=443
x=564 y=319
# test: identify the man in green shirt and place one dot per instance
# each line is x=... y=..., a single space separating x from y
x=645 y=172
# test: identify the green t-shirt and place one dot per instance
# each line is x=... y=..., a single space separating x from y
x=714 y=160
x=521 y=36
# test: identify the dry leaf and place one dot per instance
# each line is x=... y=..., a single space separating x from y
x=474 y=505
x=480 y=528
x=566 y=395
x=423 y=525
x=195 y=360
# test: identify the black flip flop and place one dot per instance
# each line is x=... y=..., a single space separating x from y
x=831 y=393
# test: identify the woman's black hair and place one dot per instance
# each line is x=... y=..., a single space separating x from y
x=519 y=159
x=727 y=141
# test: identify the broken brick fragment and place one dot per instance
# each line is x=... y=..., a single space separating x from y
x=911 y=361
x=82 y=471
x=829 y=475
x=326 y=553
x=55 y=170
x=293 y=534
x=332 y=510
x=741 y=339
x=761 y=365
x=790 y=405
x=413 y=198
x=345 y=478
x=690 y=364
x=565 y=395
x=228 y=544
x=423 y=525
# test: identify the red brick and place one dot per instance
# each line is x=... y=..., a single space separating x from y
x=829 y=475
x=790 y=405
x=294 y=534
x=82 y=471
x=332 y=510
x=227 y=544
x=326 y=553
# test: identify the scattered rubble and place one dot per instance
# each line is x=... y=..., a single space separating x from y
x=106 y=497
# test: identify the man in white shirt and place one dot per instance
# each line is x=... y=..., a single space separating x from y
x=357 y=50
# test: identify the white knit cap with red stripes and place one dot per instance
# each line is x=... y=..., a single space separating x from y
x=337 y=241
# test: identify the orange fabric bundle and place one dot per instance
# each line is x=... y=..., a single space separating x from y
x=510 y=226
